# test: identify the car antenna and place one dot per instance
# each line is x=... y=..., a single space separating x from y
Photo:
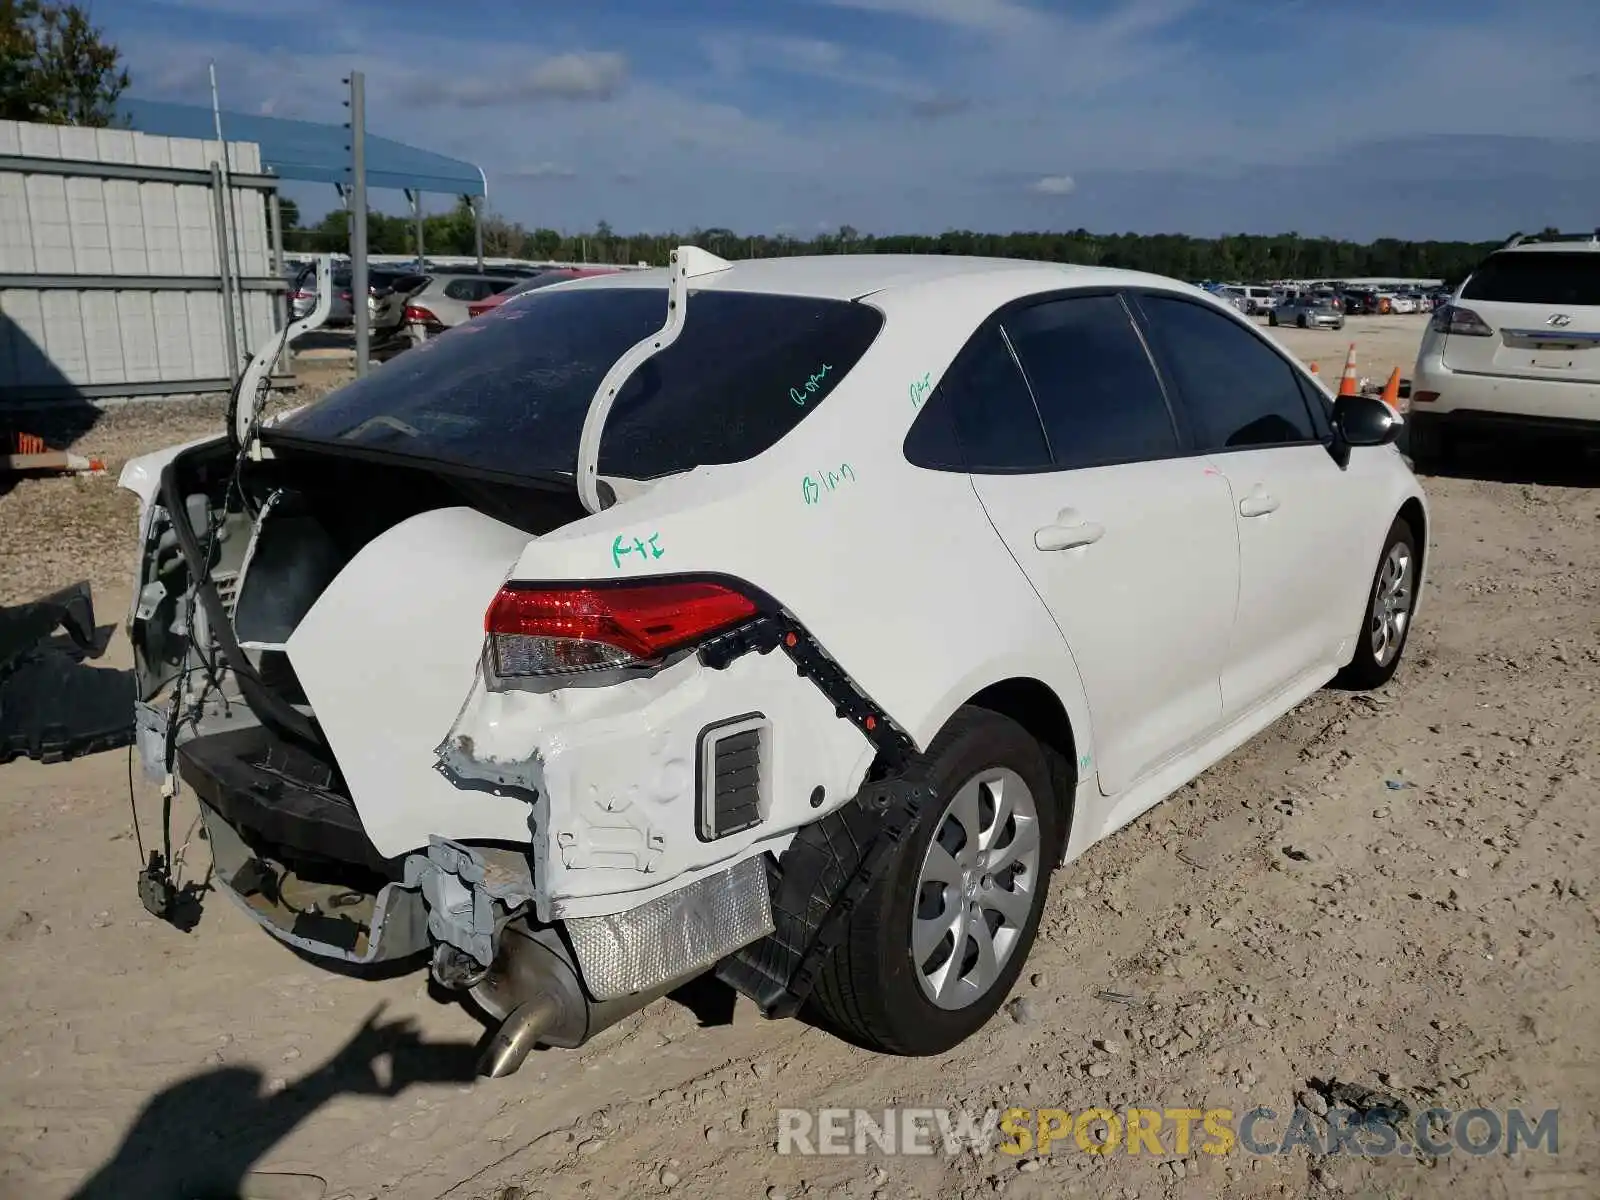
x=684 y=264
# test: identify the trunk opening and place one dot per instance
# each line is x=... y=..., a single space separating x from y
x=267 y=557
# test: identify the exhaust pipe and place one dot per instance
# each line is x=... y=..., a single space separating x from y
x=518 y=1034
x=532 y=989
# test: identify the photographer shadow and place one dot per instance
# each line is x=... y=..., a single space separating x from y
x=197 y=1139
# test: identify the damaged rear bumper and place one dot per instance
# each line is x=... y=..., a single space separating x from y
x=304 y=872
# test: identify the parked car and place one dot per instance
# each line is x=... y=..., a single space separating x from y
x=442 y=303
x=1258 y=300
x=689 y=603
x=542 y=280
x=1307 y=312
x=390 y=293
x=1402 y=302
x=381 y=284
x=303 y=296
x=1233 y=296
x=1518 y=350
x=1364 y=301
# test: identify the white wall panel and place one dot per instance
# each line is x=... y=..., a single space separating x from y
x=83 y=224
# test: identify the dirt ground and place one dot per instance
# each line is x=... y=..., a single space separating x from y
x=1433 y=930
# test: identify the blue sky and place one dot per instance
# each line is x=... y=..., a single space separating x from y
x=1347 y=118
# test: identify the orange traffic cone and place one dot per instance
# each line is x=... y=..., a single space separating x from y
x=1349 y=385
x=1391 y=391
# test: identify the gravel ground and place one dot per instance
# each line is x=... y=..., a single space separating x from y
x=56 y=530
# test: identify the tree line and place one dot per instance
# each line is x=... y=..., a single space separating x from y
x=1232 y=257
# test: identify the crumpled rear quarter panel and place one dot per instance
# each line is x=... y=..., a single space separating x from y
x=386 y=657
x=616 y=767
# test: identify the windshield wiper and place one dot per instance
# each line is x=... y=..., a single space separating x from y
x=687 y=262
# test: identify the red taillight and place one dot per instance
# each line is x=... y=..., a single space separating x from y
x=1424 y=397
x=1462 y=322
x=556 y=631
x=417 y=315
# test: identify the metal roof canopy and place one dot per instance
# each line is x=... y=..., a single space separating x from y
x=312 y=152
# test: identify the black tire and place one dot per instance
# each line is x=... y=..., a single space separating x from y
x=867 y=990
x=1303 y=323
x=1272 y=318
x=1365 y=671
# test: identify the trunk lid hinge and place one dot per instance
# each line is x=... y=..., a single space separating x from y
x=688 y=262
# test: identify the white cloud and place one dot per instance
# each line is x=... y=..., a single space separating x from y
x=1054 y=185
x=541 y=170
x=994 y=16
x=586 y=75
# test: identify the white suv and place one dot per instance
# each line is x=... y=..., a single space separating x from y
x=791 y=618
x=1518 y=345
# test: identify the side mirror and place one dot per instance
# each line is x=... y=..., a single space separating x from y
x=1364 y=421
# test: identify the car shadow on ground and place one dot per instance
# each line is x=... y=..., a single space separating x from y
x=199 y=1138
x=1546 y=462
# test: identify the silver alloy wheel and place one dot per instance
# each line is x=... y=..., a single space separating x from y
x=976 y=888
x=1391 y=604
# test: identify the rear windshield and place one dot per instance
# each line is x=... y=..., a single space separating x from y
x=508 y=391
x=1537 y=277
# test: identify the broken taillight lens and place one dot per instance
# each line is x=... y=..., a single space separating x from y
x=557 y=631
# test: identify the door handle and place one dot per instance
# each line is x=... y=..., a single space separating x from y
x=1066 y=537
x=1257 y=504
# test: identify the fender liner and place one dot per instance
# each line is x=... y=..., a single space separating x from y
x=827 y=869
x=831 y=863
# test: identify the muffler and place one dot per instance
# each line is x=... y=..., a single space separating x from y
x=533 y=990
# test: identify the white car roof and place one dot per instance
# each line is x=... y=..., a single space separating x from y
x=852 y=276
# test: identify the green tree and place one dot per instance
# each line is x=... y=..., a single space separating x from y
x=57 y=67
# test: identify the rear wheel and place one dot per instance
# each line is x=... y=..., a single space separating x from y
x=1272 y=318
x=934 y=947
x=1302 y=322
x=1387 y=621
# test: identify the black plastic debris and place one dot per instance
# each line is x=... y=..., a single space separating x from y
x=53 y=705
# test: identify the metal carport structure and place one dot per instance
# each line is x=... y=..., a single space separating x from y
x=314 y=152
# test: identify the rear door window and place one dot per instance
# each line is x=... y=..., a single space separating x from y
x=1537 y=277
x=984 y=403
x=1239 y=392
x=1095 y=387
x=508 y=392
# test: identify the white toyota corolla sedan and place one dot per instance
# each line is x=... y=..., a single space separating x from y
x=793 y=619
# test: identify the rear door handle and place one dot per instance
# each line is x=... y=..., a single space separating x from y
x=1257 y=504
x=1066 y=537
